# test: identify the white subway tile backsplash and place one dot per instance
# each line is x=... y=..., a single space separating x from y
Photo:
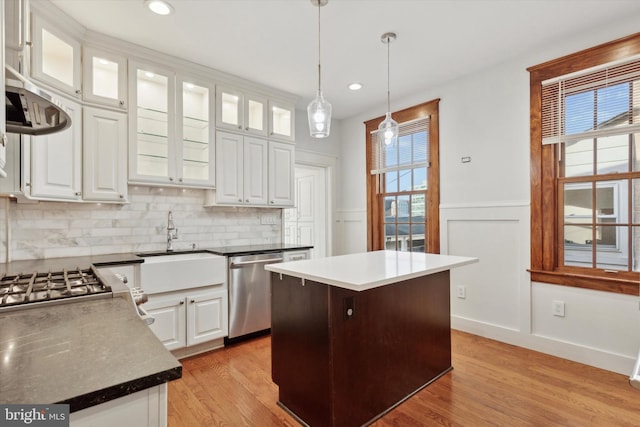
x=59 y=229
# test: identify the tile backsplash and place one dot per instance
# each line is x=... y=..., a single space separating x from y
x=58 y=229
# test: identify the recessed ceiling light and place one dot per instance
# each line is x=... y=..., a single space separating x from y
x=355 y=86
x=160 y=7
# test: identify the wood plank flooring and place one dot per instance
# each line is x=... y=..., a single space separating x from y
x=492 y=384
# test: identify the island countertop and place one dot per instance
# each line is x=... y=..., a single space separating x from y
x=369 y=270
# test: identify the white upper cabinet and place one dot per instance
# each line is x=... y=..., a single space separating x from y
x=105 y=78
x=152 y=125
x=241 y=170
x=281 y=121
x=104 y=154
x=281 y=174
x=56 y=160
x=55 y=57
x=14 y=24
x=241 y=112
x=196 y=148
x=171 y=131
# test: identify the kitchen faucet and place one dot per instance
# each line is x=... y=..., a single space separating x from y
x=172 y=232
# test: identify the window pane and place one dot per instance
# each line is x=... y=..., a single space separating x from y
x=390 y=209
x=420 y=179
x=404 y=149
x=391 y=155
x=417 y=238
x=405 y=179
x=636 y=248
x=613 y=105
x=420 y=147
x=607 y=199
x=579 y=112
x=417 y=208
x=579 y=158
x=635 y=144
x=391 y=182
x=404 y=208
x=578 y=205
x=635 y=197
x=390 y=240
x=611 y=247
x=577 y=245
x=613 y=154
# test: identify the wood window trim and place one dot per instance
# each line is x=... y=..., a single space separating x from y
x=544 y=200
x=374 y=219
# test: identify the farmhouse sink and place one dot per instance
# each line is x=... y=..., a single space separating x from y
x=176 y=271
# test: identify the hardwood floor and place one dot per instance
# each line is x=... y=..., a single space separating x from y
x=492 y=384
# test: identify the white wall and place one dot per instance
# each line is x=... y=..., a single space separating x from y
x=485 y=213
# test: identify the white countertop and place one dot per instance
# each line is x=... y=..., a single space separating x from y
x=369 y=270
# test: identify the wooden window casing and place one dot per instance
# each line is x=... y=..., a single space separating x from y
x=546 y=236
x=375 y=200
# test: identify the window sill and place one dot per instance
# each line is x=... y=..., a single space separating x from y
x=597 y=283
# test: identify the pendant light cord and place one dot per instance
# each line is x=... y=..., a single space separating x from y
x=319 y=80
x=388 y=74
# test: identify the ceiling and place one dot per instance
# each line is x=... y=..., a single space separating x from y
x=274 y=42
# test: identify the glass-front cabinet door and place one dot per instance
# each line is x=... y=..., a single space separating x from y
x=281 y=120
x=55 y=57
x=152 y=128
x=241 y=112
x=196 y=153
x=105 y=78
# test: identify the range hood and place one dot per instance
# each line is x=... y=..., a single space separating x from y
x=30 y=110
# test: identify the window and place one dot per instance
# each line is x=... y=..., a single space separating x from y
x=585 y=168
x=403 y=183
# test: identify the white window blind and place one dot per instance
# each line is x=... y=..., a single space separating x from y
x=411 y=150
x=603 y=101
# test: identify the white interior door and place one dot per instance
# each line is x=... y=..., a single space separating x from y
x=306 y=223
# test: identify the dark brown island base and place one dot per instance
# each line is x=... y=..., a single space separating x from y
x=355 y=335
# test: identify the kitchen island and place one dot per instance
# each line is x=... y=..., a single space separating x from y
x=355 y=335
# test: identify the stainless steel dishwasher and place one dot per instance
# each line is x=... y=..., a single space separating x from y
x=250 y=293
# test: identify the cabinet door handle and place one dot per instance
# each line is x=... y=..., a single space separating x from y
x=171 y=178
x=121 y=103
x=3 y=140
x=182 y=302
x=122 y=196
x=240 y=200
x=180 y=179
x=78 y=193
x=240 y=127
x=78 y=92
x=193 y=301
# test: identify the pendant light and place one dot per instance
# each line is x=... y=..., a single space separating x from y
x=319 y=110
x=388 y=128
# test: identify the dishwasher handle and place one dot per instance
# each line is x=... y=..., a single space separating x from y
x=239 y=264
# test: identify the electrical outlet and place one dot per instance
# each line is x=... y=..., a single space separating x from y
x=557 y=308
x=461 y=292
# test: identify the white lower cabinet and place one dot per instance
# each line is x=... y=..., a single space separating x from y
x=187 y=318
x=145 y=408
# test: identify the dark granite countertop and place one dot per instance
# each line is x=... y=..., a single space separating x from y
x=80 y=353
x=57 y=264
x=251 y=249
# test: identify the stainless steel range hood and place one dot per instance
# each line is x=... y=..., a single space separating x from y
x=30 y=110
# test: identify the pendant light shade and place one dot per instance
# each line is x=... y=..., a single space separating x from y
x=388 y=129
x=319 y=110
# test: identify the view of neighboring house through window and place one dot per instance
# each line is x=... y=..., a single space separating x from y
x=598 y=171
x=585 y=151
x=399 y=185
